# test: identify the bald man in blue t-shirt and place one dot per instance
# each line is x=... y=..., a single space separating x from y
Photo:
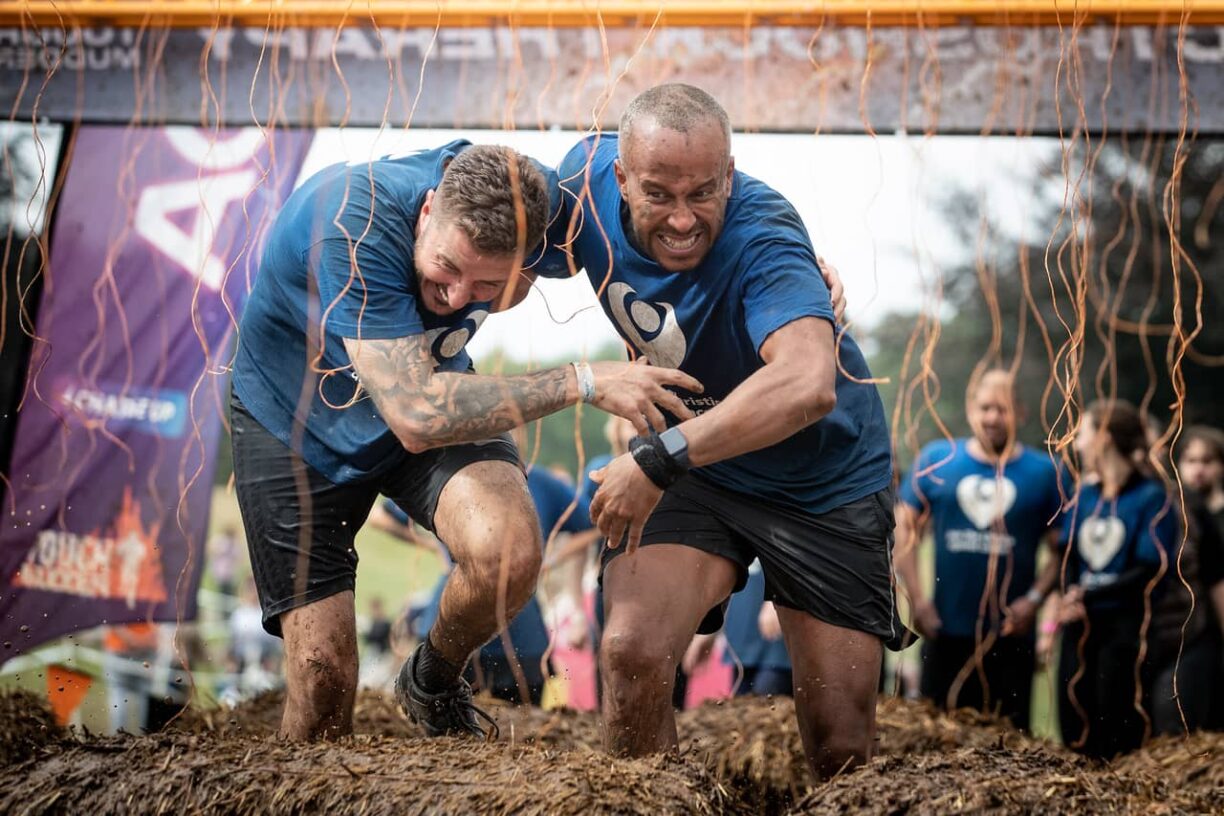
x=990 y=502
x=788 y=460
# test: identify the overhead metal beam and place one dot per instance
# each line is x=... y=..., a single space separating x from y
x=610 y=13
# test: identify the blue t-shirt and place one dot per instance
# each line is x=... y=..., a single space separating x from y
x=1109 y=538
x=307 y=284
x=964 y=497
x=743 y=632
x=552 y=498
x=760 y=275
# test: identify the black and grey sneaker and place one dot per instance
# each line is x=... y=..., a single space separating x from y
x=449 y=712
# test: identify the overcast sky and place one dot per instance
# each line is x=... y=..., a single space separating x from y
x=869 y=204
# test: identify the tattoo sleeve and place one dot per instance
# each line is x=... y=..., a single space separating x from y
x=427 y=409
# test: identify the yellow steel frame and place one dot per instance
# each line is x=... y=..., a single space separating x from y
x=612 y=13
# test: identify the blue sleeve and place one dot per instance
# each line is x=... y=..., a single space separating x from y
x=377 y=295
x=781 y=280
x=1165 y=538
x=1068 y=513
x=580 y=520
x=916 y=484
x=567 y=222
x=550 y=259
x=588 y=485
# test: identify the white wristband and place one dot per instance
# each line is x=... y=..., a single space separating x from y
x=586 y=382
x=1034 y=596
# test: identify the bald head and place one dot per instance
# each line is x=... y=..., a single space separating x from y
x=994 y=379
x=990 y=406
x=675 y=173
x=676 y=107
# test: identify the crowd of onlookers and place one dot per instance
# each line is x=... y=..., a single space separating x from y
x=1103 y=565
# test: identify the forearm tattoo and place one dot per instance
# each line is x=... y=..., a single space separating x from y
x=446 y=408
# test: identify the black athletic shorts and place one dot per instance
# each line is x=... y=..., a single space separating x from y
x=301 y=527
x=836 y=566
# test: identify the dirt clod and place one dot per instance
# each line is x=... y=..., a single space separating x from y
x=26 y=726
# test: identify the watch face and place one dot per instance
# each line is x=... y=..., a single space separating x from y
x=674 y=442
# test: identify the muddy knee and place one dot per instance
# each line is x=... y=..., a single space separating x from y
x=510 y=566
x=633 y=657
x=837 y=744
x=323 y=687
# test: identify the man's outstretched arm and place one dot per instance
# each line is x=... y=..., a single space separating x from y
x=795 y=388
x=427 y=409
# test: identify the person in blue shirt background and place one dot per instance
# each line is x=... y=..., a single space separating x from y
x=560 y=510
x=754 y=646
x=1119 y=530
x=754 y=640
x=787 y=459
x=991 y=503
x=351 y=380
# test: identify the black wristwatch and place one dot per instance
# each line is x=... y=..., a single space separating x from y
x=663 y=462
x=676 y=446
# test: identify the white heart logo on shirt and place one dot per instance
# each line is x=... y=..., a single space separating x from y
x=985 y=500
x=1100 y=539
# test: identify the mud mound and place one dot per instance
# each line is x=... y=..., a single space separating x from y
x=1194 y=763
x=751 y=744
x=559 y=730
x=214 y=774
x=26 y=725
x=996 y=781
x=377 y=715
x=373 y=714
x=906 y=727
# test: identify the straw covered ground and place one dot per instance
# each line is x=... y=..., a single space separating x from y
x=738 y=757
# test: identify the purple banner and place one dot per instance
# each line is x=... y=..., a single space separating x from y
x=156 y=240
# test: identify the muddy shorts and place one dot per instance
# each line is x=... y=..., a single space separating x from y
x=301 y=527
x=836 y=566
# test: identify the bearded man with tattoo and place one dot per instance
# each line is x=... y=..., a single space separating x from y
x=351 y=380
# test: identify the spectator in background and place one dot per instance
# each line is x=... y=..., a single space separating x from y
x=377 y=669
x=1119 y=531
x=1187 y=618
x=559 y=509
x=255 y=652
x=754 y=642
x=224 y=550
x=130 y=648
x=377 y=635
x=991 y=502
